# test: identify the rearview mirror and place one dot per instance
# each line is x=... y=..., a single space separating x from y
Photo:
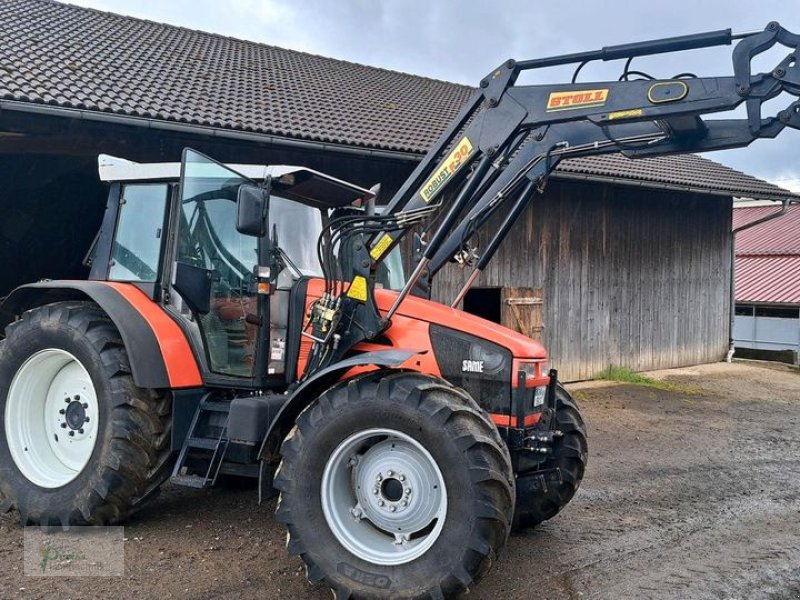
x=251 y=209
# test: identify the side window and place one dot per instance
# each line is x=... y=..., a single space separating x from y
x=136 y=253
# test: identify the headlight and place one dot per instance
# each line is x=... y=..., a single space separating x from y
x=535 y=372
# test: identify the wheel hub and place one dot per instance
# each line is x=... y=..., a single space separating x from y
x=384 y=497
x=75 y=414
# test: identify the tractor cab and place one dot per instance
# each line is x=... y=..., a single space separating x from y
x=225 y=249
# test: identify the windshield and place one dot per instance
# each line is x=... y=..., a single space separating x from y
x=296 y=228
x=390 y=272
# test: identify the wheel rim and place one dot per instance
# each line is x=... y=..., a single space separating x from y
x=384 y=497
x=51 y=418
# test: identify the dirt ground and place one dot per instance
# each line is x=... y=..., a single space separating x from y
x=688 y=494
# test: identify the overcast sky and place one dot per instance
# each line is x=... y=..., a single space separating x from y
x=462 y=40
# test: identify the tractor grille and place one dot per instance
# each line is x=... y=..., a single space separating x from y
x=490 y=388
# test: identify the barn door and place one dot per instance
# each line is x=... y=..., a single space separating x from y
x=521 y=310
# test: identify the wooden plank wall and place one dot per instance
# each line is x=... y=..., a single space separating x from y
x=631 y=277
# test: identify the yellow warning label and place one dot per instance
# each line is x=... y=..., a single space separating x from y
x=573 y=100
x=381 y=247
x=457 y=159
x=358 y=289
x=625 y=114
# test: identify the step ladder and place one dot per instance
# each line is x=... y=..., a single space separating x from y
x=204 y=445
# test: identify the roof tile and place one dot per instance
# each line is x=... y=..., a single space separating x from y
x=70 y=56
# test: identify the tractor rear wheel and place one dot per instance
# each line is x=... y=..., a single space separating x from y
x=80 y=443
x=395 y=485
x=570 y=454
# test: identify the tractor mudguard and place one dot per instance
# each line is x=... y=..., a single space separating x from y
x=159 y=354
x=321 y=380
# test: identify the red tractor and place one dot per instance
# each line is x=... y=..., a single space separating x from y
x=246 y=321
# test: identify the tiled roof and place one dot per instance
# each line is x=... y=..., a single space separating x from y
x=72 y=57
x=77 y=57
x=768 y=256
x=686 y=171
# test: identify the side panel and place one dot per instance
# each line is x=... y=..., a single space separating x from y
x=159 y=353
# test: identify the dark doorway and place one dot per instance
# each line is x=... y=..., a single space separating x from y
x=51 y=209
x=485 y=303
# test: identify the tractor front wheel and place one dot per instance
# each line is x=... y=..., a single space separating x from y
x=80 y=443
x=395 y=485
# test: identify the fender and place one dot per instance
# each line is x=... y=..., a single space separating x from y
x=159 y=354
x=321 y=380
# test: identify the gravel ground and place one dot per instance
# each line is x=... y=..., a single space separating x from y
x=688 y=494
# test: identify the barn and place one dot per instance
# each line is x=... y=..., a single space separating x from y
x=767 y=322
x=619 y=262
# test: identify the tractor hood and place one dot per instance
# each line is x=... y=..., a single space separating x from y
x=420 y=309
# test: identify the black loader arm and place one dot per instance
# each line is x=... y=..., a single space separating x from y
x=498 y=152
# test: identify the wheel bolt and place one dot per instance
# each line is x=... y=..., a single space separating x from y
x=381 y=502
x=62 y=412
x=80 y=431
x=407 y=491
x=86 y=419
x=63 y=426
x=71 y=434
x=375 y=491
x=76 y=398
x=389 y=473
x=404 y=503
x=67 y=400
x=392 y=509
x=379 y=478
x=402 y=478
x=85 y=405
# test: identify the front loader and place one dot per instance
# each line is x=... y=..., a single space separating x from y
x=254 y=321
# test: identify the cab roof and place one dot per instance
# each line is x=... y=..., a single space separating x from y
x=297 y=183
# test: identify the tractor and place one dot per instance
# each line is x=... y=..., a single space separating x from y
x=253 y=321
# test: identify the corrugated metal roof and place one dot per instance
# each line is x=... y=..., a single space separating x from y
x=78 y=58
x=768 y=256
x=780 y=236
x=773 y=279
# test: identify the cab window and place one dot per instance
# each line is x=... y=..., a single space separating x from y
x=136 y=252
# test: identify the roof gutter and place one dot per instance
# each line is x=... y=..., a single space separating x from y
x=214 y=132
x=770 y=217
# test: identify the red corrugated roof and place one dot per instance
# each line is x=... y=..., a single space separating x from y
x=780 y=236
x=768 y=279
x=768 y=256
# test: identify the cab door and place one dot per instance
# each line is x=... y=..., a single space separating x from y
x=217 y=265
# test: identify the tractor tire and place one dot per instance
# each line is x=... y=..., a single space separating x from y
x=80 y=443
x=570 y=455
x=395 y=485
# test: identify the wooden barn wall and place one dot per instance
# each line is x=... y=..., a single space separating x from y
x=630 y=277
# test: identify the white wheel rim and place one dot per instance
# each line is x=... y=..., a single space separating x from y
x=51 y=418
x=384 y=497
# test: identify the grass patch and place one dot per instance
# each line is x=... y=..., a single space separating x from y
x=625 y=375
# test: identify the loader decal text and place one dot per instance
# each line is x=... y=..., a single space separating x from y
x=457 y=159
x=574 y=100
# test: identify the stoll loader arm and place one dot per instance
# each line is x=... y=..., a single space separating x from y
x=498 y=152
